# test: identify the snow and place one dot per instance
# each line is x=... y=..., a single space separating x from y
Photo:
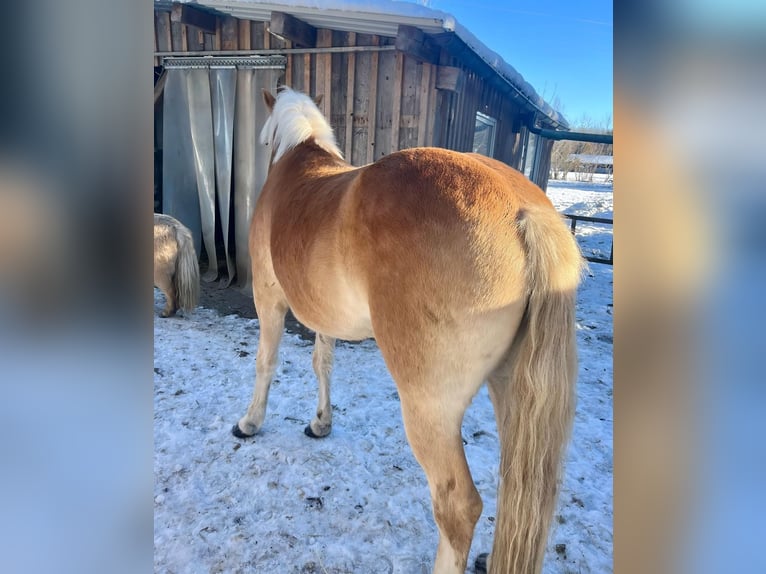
x=356 y=501
x=593 y=199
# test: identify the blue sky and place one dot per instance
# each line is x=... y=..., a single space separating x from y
x=563 y=48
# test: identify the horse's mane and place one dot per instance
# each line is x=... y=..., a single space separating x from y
x=294 y=119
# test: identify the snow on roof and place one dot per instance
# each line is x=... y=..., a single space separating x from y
x=593 y=159
x=383 y=17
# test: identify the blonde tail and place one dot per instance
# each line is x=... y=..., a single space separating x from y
x=538 y=391
x=187 y=270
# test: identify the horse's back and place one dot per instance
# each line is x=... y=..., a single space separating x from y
x=444 y=225
x=428 y=230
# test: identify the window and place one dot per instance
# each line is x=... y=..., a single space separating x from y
x=484 y=135
x=530 y=156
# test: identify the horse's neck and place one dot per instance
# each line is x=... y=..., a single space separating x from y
x=308 y=158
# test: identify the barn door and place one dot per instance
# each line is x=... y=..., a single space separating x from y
x=213 y=166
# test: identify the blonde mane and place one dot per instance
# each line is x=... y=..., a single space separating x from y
x=294 y=119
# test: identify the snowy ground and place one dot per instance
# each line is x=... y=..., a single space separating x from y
x=356 y=501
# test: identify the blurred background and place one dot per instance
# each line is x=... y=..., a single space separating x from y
x=76 y=307
x=690 y=80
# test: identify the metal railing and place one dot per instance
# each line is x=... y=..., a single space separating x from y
x=573 y=226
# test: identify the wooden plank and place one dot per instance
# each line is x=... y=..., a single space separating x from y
x=372 y=109
x=289 y=66
x=257 y=32
x=244 y=34
x=156 y=40
x=350 y=73
x=449 y=78
x=408 y=125
x=338 y=68
x=307 y=74
x=319 y=62
x=209 y=42
x=424 y=108
x=162 y=27
x=298 y=63
x=324 y=77
x=184 y=38
x=413 y=42
x=176 y=40
x=385 y=105
x=361 y=98
x=191 y=16
x=229 y=33
x=160 y=86
x=300 y=33
x=432 y=109
x=469 y=114
x=458 y=122
x=193 y=42
x=396 y=112
x=266 y=37
x=218 y=34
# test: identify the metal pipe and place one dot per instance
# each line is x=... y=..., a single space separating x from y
x=277 y=51
x=572 y=136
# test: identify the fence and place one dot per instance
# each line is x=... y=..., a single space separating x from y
x=576 y=218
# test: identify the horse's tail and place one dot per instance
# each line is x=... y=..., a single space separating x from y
x=187 y=270
x=538 y=388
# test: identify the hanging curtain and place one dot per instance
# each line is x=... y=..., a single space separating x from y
x=213 y=113
x=224 y=82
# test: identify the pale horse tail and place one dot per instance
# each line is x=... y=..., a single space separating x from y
x=537 y=383
x=186 y=277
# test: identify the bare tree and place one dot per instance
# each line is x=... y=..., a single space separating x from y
x=563 y=156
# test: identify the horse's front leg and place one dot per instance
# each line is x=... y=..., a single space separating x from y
x=272 y=321
x=324 y=348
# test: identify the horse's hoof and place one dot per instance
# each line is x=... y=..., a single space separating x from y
x=310 y=433
x=237 y=432
x=480 y=566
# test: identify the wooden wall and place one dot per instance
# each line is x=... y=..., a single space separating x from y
x=377 y=101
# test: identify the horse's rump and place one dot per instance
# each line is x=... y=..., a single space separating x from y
x=176 y=269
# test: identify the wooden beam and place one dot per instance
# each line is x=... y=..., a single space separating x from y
x=396 y=114
x=324 y=78
x=244 y=35
x=449 y=78
x=372 y=110
x=413 y=42
x=229 y=33
x=425 y=97
x=350 y=75
x=291 y=28
x=191 y=16
x=159 y=87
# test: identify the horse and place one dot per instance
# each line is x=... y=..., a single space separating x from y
x=463 y=272
x=176 y=269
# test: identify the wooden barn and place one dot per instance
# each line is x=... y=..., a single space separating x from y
x=393 y=75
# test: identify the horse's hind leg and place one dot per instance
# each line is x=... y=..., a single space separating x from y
x=164 y=280
x=324 y=348
x=433 y=430
x=271 y=319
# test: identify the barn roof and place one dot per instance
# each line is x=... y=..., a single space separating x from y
x=383 y=18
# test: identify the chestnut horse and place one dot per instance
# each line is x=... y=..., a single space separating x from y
x=463 y=272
